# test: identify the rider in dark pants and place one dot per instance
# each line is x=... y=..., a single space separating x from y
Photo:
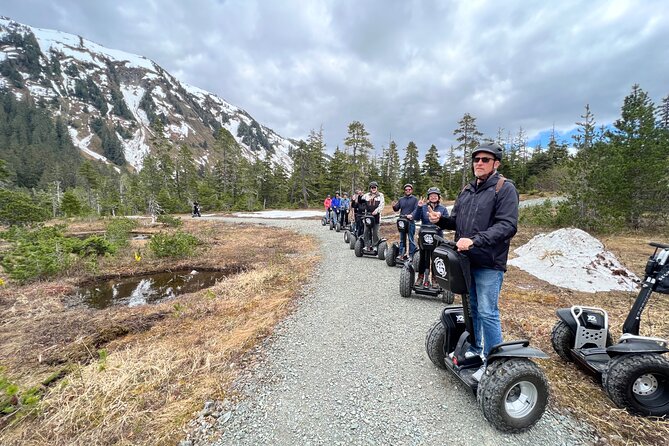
x=407 y=206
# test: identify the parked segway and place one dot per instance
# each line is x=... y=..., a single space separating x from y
x=393 y=255
x=513 y=391
x=634 y=372
x=378 y=250
x=427 y=240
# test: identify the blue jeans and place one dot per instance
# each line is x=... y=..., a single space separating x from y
x=412 y=243
x=484 y=296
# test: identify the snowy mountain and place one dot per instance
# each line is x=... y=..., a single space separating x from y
x=111 y=99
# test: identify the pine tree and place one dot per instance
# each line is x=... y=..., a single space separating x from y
x=411 y=168
x=468 y=136
x=432 y=170
x=390 y=171
x=360 y=145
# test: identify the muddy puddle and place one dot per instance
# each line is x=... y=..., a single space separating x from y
x=146 y=289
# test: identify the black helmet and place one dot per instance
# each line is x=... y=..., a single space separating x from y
x=407 y=185
x=434 y=190
x=373 y=184
x=490 y=147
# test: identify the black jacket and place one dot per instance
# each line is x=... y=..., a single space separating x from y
x=487 y=217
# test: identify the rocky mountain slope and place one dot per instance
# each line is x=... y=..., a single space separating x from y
x=112 y=100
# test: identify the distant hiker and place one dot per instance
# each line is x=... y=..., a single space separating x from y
x=485 y=218
x=196 y=209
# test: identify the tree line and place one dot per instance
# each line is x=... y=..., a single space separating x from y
x=613 y=177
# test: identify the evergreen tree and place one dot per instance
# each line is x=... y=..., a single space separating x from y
x=390 y=171
x=432 y=170
x=359 y=144
x=411 y=167
x=468 y=136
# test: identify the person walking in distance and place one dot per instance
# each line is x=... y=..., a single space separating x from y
x=485 y=218
x=375 y=202
x=407 y=206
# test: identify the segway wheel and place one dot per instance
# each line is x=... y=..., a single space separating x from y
x=324 y=221
x=406 y=282
x=351 y=241
x=415 y=260
x=391 y=255
x=447 y=297
x=513 y=394
x=434 y=344
x=562 y=339
x=358 y=248
x=346 y=236
x=639 y=383
x=381 y=250
x=338 y=227
x=332 y=225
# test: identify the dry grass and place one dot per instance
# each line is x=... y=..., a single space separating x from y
x=163 y=360
x=528 y=311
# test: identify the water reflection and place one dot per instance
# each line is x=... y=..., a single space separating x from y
x=147 y=289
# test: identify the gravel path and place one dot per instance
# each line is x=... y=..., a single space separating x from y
x=349 y=368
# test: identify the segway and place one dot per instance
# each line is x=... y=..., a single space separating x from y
x=393 y=255
x=378 y=250
x=428 y=240
x=356 y=231
x=512 y=391
x=341 y=221
x=334 y=215
x=634 y=372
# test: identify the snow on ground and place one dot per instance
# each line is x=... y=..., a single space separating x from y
x=280 y=214
x=572 y=258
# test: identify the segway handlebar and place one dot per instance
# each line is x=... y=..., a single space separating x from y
x=658 y=245
x=449 y=243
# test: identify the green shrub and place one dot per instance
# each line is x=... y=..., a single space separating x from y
x=118 y=231
x=38 y=253
x=13 y=401
x=543 y=215
x=95 y=246
x=18 y=208
x=178 y=244
x=173 y=222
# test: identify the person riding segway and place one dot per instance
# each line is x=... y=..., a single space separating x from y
x=428 y=240
x=335 y=205
x=370 y=243
x=359 y=207
x=406 y=227
x=196 y=209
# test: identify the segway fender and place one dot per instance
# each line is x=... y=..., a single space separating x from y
x=515 y=349
x=636 y=346
x=565 y=315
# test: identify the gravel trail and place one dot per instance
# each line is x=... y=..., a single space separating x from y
x=349 y=367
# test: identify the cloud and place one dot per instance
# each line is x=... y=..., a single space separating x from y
x=406 y=69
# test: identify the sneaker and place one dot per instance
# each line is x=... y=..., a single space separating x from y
x=479 y=373
x=419 y=281
x=470 y=354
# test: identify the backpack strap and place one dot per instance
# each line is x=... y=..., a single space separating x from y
x=500 y=183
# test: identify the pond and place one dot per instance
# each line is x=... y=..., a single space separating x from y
x=146 y=289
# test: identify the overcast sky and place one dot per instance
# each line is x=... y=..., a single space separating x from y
x=406 y=69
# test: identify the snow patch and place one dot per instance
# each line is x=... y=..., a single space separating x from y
x=83 y=145
x=280 y=214
x=572 y=258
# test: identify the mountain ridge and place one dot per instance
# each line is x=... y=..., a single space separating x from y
x=94 y=87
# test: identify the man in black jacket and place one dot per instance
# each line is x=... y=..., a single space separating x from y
x=485 y=218
x=407 y=206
